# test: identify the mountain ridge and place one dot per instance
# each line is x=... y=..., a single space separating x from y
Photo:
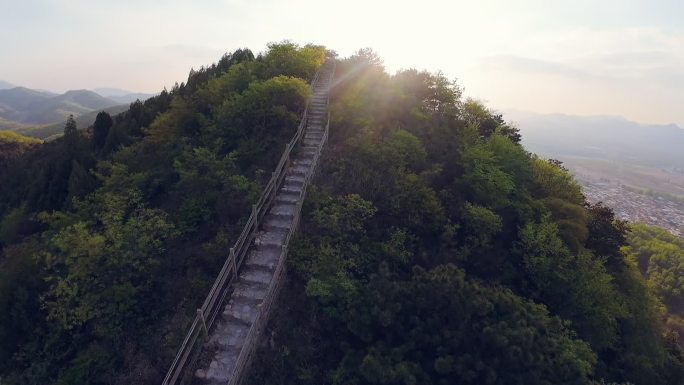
x=604 y=137
x=27 y=106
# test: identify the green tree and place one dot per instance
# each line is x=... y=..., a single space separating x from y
x=440 y=328
x=103 y=122
x=100 y=267
x=70 y=128
x=80 y=183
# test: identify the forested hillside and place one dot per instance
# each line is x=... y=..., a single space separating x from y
x=12 y=145
x=660 y=257
x=111 y=235
x=435 y=250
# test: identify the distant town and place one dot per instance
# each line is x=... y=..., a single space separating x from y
x=636 y=205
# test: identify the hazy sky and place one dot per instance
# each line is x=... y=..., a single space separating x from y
x=608 y=57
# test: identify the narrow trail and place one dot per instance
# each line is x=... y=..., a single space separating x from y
x=231 y=335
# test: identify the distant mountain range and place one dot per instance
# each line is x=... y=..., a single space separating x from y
x=601 y=137
x=28 y=106
x=5 y=85
x=20 y=106
x=122 y=96
x=643 y=156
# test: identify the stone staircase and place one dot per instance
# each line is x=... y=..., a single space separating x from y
x=231 y=342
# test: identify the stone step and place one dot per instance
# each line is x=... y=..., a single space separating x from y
x=291 y=189
x=264 y=258
x=270 y=238
x=295 y=178
x=243 y=309
x=228 y=334
x=250 y=290
x=303 y=154
x=306 y=155
x=281 y=216
x=304 y=162
x=257 y=276
x=221 y=367
x=277 y=225
x=287 y=199
x=286 y=209
x=310 y=142
x=298 y=170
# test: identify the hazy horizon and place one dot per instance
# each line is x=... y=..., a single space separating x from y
x=579 y=58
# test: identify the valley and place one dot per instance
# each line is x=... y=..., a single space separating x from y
x=42 y=114
x=636 y=169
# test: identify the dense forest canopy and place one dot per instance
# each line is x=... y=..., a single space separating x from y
x=433 y=248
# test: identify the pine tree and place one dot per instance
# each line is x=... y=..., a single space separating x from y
x=103 y=122
x=70 y=129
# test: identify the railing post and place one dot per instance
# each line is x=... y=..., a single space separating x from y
x=204 y=323
x=256 y=216
x=232 y=256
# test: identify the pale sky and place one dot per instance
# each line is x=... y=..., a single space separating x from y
x=585 y=57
